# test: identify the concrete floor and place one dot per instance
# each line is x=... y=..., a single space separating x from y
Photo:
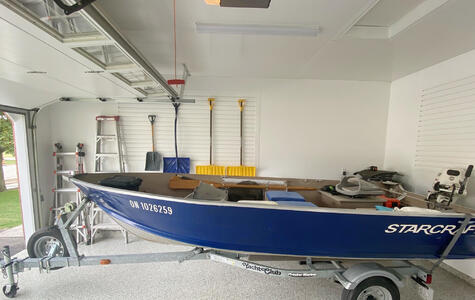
x=193 y=280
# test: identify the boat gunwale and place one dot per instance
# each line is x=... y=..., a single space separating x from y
x=316 y=209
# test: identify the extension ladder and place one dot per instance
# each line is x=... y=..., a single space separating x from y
x=108 y=158
x=64 y=191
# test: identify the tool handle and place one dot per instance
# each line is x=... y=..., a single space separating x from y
x=152 y=119
x=241 y=104
x=241 y=109
x=468 y=173
x=211 y=103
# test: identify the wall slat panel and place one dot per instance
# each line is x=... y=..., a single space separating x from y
x=193 y=131
x=446 y=126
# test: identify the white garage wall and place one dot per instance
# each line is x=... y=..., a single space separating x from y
x=68 y=124
x=311 y=128
x=405 y=134
x=304 y=128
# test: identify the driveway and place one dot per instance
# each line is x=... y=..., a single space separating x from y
x=11 y=179
x=14 y=238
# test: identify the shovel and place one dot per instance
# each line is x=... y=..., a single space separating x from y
x=241 y=170
x=211 y=169
x=153 y=159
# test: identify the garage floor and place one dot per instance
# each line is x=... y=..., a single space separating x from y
x=192 y=280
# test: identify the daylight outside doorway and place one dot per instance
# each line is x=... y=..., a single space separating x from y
x=11 y=229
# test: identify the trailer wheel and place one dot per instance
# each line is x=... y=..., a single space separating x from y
x=11 y=291
x=41 y=242
x=373 y=288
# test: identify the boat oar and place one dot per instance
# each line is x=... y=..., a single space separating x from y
x=211 y=169
x=241 y=170
x=179 y=183
x=152 y=159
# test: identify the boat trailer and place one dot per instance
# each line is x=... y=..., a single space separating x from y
x=361 y=278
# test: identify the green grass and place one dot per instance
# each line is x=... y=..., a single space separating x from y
x=9 y=162
x=10 y=212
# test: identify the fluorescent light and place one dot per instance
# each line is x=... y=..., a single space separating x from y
x=257 y=29
x=212 y=2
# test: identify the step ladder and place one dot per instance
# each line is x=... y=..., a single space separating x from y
x=108 y=157
x=108 y=147
x=68 y=164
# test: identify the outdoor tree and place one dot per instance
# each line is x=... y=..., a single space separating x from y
x=6 y=144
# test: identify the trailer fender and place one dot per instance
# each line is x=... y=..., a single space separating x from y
x=359 y=272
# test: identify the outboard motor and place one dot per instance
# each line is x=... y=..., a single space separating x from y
x=449 y=185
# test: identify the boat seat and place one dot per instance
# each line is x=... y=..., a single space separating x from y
x=295 y=203
x=258 y=202
x=284 y=196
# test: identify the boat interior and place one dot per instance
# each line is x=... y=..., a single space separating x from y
x=262 y=190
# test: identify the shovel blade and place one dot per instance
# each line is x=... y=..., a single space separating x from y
x=176 y=165
x=153 y=161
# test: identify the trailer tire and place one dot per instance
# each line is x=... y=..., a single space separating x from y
x=372 y=286
x=40 y=241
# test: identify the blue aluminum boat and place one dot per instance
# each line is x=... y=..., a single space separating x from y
x=157 y=212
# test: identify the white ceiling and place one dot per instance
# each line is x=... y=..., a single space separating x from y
x=25 y=48
x=442 y=33
x=329 y=56
x=388 y=12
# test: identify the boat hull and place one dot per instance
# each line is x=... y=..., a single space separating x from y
x=314 y=232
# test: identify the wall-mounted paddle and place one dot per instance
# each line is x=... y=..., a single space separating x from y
x=153 y=159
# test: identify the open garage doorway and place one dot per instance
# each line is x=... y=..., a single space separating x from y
x=17 y=221
x=11 y=223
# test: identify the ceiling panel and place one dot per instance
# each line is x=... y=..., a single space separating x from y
x=26 y=51
x=149 y=27
x=387 y=12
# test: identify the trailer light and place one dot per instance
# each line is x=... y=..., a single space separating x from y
x=105 y=261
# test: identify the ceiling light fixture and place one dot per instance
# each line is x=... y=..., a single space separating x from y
x=310 y=31
x=36 y=72
x=240 y=3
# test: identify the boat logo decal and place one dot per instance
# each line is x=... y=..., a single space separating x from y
x=429 y=229
x=257 y=268
x=302 y=274
x=160 y=209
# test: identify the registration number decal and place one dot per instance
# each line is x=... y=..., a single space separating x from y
x=160 y=209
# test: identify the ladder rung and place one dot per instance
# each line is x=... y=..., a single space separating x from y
x=106 y=136
x=107 y=226
x=107 y=118
x=64 y=153
x=66 y=190
x=106 y=154
x=65 y=172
